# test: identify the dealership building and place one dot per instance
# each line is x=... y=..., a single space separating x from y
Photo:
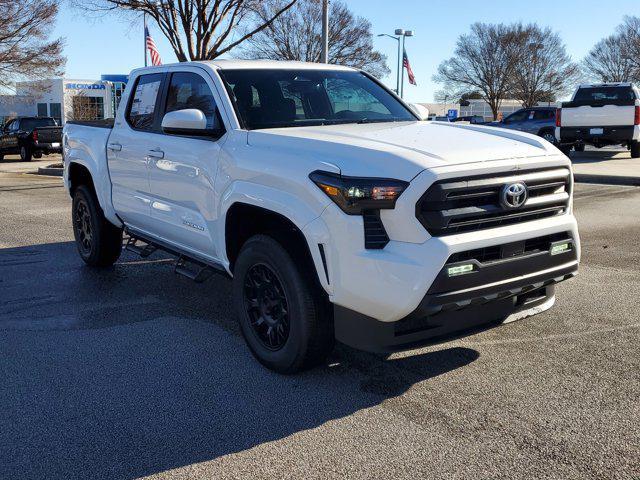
x=65 y=99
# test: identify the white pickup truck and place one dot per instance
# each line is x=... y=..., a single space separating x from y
x=600 y=115
x=338 y=213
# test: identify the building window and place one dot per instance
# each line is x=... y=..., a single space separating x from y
x=117 y=90
x=87 y=108
x=42 y=109
x=55 y=110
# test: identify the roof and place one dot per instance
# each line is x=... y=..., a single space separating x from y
x=609 y=84
x=272 y=64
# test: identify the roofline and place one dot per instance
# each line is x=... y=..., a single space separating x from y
x=606 y=84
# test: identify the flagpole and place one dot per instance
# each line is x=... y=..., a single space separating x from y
x=144 y=21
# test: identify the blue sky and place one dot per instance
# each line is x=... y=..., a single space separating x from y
x=109 y=45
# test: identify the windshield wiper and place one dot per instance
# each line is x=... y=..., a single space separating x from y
x=377 y=120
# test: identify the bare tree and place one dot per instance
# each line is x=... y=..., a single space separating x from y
x=26 y=53
x=629 y=38
x=484 y=60
x=606 y=62
x=197 y=29
x=297 y=35
x=545 y=70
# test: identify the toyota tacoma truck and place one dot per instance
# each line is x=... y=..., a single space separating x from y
x=600 y=115
x=337 y=212
x=31 y=137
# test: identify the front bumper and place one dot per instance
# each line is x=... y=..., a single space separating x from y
x=441 y=315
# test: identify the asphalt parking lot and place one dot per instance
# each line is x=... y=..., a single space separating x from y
x=134 y=372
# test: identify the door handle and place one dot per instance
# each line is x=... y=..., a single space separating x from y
x=114 y=147
x=155 y=154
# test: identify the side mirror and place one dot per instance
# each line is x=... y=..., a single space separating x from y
x=420 y=110
x=185 y=122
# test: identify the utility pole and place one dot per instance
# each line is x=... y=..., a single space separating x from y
x=325 y=31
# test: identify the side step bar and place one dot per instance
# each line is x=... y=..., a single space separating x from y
x=198 y=270
x=201 y=273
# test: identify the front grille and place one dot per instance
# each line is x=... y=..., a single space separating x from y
x=468 y=204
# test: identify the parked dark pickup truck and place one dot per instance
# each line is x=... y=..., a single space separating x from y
x=31 y=137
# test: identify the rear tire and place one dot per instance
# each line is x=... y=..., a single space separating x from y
x=283 y=315
x=37 y=155
x=549 y=137
x=579 y=147
x=635 y=149
x=99 y=242
x=25 y=154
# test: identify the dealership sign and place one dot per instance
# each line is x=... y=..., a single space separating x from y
x=85 y=86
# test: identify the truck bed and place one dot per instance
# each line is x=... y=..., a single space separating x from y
x=106 y=123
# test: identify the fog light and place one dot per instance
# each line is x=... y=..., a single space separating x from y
x=560 y=248
x=460 y=270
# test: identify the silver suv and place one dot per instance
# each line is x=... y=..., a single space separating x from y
x=537 y=120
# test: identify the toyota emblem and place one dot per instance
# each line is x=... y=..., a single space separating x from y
x=514 y=195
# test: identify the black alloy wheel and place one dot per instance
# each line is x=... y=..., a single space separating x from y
x=82 y=226
x=266 y=305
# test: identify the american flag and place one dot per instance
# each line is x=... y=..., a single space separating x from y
x=153 y=50
x=405 y=64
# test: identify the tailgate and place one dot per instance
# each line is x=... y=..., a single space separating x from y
x=49 y=134
x=598 y=116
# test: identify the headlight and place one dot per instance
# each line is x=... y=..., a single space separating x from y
x=355 y=194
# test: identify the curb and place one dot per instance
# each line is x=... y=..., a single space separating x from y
x=53 y=172
x=606 y=179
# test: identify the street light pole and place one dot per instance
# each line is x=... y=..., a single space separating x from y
x=400 y=34
x=325 y=31
x=144 y=21
x=397 y=39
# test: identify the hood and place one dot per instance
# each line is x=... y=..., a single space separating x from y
x=402 y=150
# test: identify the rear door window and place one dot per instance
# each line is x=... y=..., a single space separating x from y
x=141 y=113
x=544 y=115
x=31 y=123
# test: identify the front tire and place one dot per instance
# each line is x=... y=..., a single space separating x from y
x=99 y=242
x=25 y=153
x=635 y=149
x=283 y=315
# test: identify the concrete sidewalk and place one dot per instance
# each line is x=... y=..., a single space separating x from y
x=606 y=165
x=12 y=164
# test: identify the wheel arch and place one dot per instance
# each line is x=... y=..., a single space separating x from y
x=244 y=220
x=78 y=173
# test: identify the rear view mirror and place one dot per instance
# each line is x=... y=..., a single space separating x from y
x=185 y=122
x=420 y=110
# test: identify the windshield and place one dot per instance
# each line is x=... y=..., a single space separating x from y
x=295 y=98
x=31 y=123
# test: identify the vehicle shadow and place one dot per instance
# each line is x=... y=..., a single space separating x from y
x=129 y=371
x=598 y=156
